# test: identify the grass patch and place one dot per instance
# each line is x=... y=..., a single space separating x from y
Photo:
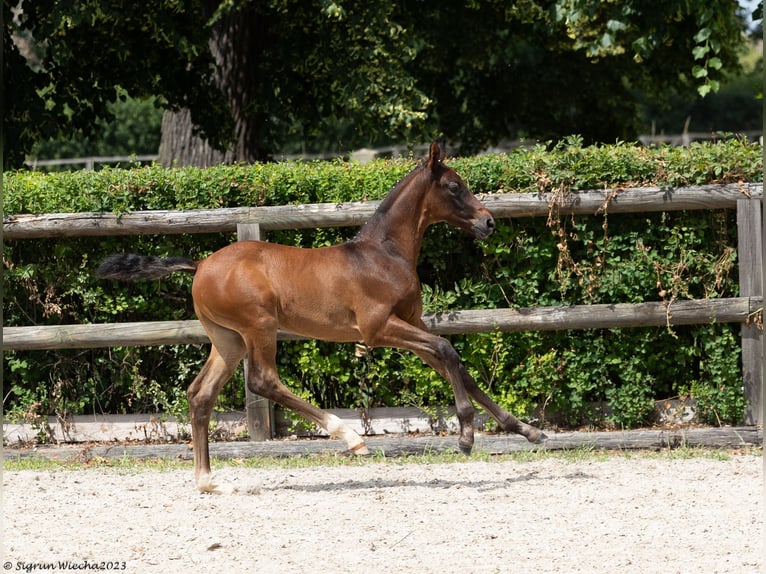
x=336 y=459
x=40 y=463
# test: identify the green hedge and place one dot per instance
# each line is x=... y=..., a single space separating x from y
x=527 y=262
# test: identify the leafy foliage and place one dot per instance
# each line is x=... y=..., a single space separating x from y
x=65 y=63
x=135 y=130
x=472 y=72
x=527 y=262
x=543 y=70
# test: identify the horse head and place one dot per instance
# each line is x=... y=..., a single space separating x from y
x=450 y=200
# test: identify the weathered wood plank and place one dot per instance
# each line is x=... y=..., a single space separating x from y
x=749 y=255
x=165 y=222
x=621 y=200
x=87 y=336
x=603 y=316
x=271 y=218
x=259 y=409
x=231 y=425
x=392 y=446
x=380 y=421
x=96 y=224
x=148 y=428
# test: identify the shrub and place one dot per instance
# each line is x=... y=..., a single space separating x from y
x=528 y=262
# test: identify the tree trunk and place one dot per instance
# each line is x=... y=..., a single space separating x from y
x=180 y=147
x=237 y=41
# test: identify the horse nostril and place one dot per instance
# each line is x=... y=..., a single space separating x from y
x=483 y=227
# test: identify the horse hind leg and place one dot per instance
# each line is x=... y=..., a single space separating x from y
x=263 y=379
x=226 y=353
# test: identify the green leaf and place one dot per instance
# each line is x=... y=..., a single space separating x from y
x=699 y=72
x=702 y=35
x=715 y=63
x=704 y=90
x=616 y=26
x=700 y=52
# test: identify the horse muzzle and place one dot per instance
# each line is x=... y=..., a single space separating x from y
x=483 y=227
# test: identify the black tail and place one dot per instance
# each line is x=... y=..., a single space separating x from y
x=130 y=267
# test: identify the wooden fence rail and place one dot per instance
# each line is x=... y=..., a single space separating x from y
x=552 y=318
x=745 y=197
x=273 y=218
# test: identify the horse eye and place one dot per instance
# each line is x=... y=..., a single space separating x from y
x=453 y=186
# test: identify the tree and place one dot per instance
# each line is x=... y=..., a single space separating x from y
x=245 y=76
x=295 y=67
x=135 y=130
x=274 y=68
x=65 y=62
x=737 y=107
x=541 y=70
x=487 y=70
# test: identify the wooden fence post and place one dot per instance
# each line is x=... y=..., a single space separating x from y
x=259 y=410
x=749 y=253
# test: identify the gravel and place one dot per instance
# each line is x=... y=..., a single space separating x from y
x=626 y=514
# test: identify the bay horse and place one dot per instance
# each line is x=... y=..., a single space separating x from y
x=364 y=290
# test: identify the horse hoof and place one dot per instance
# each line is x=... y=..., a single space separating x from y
x=205 y=484
x=360 y=449
x=465 y=448
x=541 y=438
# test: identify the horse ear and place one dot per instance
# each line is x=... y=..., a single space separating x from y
x=435 y=154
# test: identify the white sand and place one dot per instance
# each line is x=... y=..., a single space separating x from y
x=626 y=515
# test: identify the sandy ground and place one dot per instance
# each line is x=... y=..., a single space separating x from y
x=624 y=514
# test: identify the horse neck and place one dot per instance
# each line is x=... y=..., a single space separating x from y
x=400 y=221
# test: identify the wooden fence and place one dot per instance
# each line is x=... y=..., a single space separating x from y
x=366 y=154
x=249 y=222
x=90 y=162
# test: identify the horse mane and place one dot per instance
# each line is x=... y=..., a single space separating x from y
x=390 y=197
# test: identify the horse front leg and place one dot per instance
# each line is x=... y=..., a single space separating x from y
x=441 y=356
x=446 y=361
x=506 y=420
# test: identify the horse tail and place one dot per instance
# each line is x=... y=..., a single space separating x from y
x=130 y=267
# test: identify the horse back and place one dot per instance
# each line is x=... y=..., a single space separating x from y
x=333 y=293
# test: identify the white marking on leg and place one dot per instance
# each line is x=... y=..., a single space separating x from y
x=336 y=428
x=205 y=483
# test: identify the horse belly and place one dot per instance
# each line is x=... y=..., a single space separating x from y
x=319 y=318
